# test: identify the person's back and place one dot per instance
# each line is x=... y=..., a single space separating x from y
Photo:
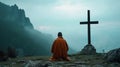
x=59 y=49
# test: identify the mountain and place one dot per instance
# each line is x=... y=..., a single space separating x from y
x=17 y=31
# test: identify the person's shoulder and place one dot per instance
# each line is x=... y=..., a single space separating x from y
x=57 y=39
x=63 y=39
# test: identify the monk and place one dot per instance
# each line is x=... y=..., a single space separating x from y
x=59 y=49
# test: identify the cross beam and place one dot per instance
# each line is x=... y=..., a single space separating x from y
x=88 y=22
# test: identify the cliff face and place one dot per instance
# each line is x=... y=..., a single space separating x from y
x=14 y=15
x=17 y=31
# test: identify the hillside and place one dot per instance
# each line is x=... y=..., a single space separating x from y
x=17 y=31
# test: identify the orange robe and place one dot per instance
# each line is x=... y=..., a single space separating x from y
x=59 y=49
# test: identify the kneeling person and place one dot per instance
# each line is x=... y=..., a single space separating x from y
x=59 y=49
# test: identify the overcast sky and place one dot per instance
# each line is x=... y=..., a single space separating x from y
x=52 y=16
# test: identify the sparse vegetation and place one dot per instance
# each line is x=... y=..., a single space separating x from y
x=76 y=59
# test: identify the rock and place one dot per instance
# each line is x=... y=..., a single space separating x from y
x=70 y=65
x=97 y=65
x=114 y=65
x=21 y=61
x=113 y=55
x=31 y=63
x=80 y=62
x=83 y=66
x=60 y=62
x=88 y=50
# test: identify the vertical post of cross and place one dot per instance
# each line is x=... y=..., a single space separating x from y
x=89 y=35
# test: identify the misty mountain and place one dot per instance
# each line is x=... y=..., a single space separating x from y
x=17 y=31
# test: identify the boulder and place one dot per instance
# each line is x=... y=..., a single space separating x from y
x=35 y=64
x=114 y=65
x=88 y=50
x=113 y=55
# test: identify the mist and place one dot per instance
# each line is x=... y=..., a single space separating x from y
x=18 y=32
x=56 y=16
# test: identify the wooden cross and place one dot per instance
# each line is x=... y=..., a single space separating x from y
x=88 y=23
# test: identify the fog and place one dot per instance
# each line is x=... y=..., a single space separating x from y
x=18 y=33
x=102 y=36
x=64 y=16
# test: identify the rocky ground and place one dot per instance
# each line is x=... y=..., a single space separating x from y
x=76 y=61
